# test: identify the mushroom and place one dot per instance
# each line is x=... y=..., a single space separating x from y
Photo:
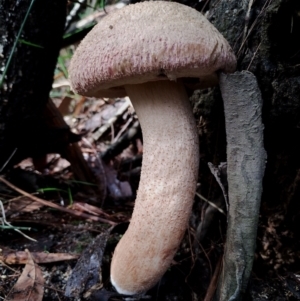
x=146 y=51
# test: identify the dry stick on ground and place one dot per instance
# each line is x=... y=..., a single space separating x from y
x=98 y=134
x=245 y=169
x=213 y=282
x=123 y=142
x=55 y=206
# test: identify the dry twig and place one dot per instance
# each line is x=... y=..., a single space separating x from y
x=55 y=206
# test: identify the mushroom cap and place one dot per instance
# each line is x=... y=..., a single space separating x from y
x=149 y=41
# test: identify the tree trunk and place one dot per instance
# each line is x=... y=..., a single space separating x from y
x=28 y=75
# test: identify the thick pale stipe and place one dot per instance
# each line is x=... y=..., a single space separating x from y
x=166 y=189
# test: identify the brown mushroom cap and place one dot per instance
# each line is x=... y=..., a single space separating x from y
x=145 y=42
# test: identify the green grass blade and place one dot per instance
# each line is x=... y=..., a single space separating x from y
x=30 y=44
x=51 y=189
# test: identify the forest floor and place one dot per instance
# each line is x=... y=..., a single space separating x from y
x=53 y=239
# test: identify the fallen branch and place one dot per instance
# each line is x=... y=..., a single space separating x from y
x=246 y=159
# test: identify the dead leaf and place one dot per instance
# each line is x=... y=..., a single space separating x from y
x=30 y=285
x=94 y=122
x=79 y=106
x=116 y=188
x=25 y=164
x=61 y=83
x=23 y=204
x=79 y=206
x=87 y=272
x=107 y=114
x=64 y=107
x=21 y=257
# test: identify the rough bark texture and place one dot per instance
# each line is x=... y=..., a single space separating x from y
x=265 y=42
x=245 y=169
x=28 y=81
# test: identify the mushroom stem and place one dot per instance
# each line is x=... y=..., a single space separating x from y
x=167 y=186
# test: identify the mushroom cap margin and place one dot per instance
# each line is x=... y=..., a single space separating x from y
x=149 y=41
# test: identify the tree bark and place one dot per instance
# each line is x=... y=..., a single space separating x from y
x=28 y=80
